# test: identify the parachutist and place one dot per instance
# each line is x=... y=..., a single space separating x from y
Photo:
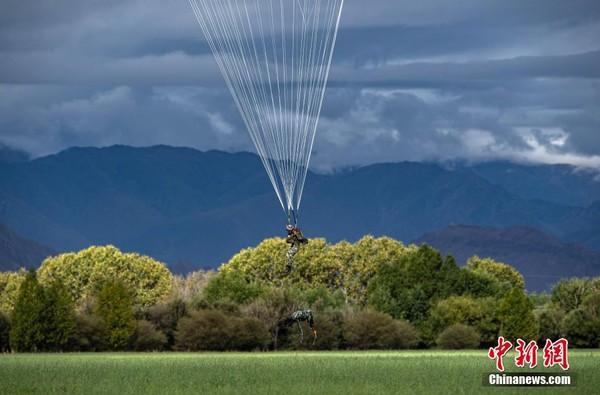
x=300 y=316
x=295 y=238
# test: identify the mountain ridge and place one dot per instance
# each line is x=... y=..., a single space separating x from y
x=196 y=209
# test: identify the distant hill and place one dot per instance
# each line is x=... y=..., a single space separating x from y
x=195 y=209
x=541 y=258
x=563 y=184
x=17 y=252
x=11 y=155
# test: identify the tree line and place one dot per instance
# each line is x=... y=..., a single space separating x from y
x=376 y=293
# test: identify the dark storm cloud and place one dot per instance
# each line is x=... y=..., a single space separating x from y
x=427 y=80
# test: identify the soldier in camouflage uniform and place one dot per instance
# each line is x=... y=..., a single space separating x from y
x=301 y=316
x=295 y=238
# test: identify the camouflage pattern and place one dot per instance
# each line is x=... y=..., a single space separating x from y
x=295 y=238
x=302 y=316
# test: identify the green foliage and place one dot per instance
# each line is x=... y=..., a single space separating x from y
x=10 y=282
x=58 y=316
x=231 y=285
x=165 y=316
x=516 y=317
x=500 y=271
x=329 y=333
x=248 y=333
x=114 y=307
x=89 y=333
x=374 y=330
x=478 y=313
x=549 y=321
x=569 y=293
x=212 y=330
x=458 y=337
x=4 y=334
x=148 y=338
x=539 y=300
x=478 y=284
x=405 y=286
x=43 y=317
x=321 y=297
x=366 y=259
x=274 y=306
x=84 y=271
x=582 y=325
x=344 y=266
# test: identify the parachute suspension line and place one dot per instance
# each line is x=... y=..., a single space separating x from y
x=275 y=57
x=321 y=96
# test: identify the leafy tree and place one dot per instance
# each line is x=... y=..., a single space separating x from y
x=27 y=331
x=10 y=282
x=43 y=318
x=165 y=317
x=458 y=336
x=539 y=300
x=516 y=317
x=501 y=271
x=581 y=330
x=478 y=284
x=344 y=266
x=366 y=259
x=373 y=330
x=569 y=294
x=582 y=325
x=114 y=307
x=478 y=313
x=549 y=321
x=231 y=285
x=4 y=333
x=188 y=287
x=405 y=286
x=58 y=316
x=81 y=273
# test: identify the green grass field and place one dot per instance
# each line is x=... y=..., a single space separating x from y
x=419 y=372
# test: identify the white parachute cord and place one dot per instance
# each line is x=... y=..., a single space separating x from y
x=279 y=98
x=243 y=104
x=337 y=25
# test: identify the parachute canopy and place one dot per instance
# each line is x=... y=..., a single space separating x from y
x=275 y=56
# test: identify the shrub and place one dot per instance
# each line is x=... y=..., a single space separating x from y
x=329 y=334
x=165 y=316
x=248 y=333
x=148 y=338
x=373 y=330
x=203 y=330
x=89 y=334
x=457 y=337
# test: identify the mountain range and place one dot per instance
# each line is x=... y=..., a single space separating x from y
x=195 y=209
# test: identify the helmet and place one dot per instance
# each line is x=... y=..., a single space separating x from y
x=288 y=227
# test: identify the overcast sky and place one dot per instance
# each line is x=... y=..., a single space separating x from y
x=427 y=80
